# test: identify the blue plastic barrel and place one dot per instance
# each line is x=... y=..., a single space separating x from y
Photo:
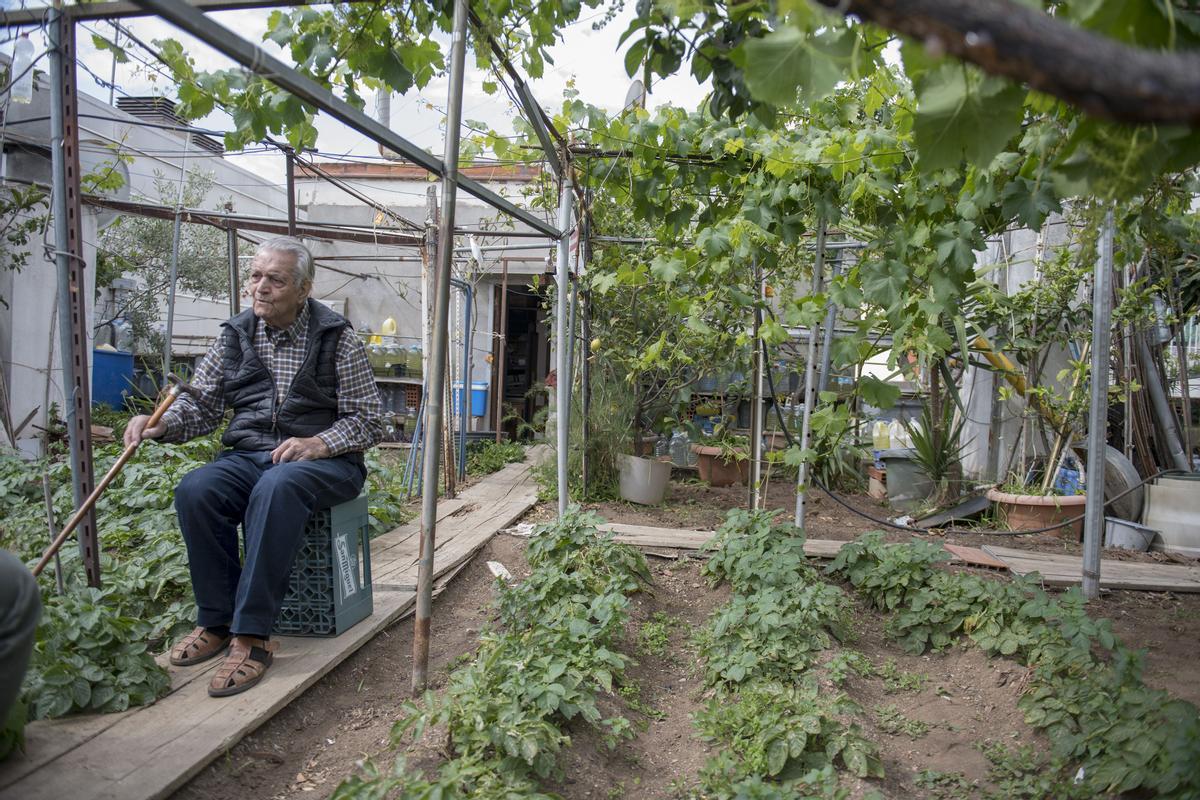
x=479 y=394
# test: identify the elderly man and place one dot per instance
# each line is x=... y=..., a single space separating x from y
x=305 y=406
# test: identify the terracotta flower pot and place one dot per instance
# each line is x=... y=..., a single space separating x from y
x=1027 y=512
x=717 y=471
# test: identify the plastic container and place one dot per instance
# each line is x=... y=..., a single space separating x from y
x=908 y=487
x=1125 y=535
x=679 y=448
x=22 y=70
x=643 y=480
x=112 y=377
x=479 y=394
x=881 y=439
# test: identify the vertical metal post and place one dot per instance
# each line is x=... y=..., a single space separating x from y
x=436 y=374
x=465 y=400
x=562 y=312
x=235 y=273
x=830 y=319
x=1093 y=520
x=585 y=245
x=809 y=375
x=429 y=256
x=68 y=247
x=503 y=347
x=173 y=277
x=291 y=190
x=756 y=396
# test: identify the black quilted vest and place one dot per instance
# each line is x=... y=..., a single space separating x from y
x=310 y=406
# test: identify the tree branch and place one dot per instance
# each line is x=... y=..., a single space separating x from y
x=1103 y=77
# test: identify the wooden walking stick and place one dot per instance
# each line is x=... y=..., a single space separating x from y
x=177 y=388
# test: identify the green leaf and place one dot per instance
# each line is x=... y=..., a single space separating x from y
x=789 y=63
x=962 y=114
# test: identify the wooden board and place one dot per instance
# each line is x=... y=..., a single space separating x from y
x=148 y=752
x=643 y=536
x=974 y=557
x=1065 y=570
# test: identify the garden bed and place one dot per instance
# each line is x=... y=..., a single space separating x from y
x=944 y=724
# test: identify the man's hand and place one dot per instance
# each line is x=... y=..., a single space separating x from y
x=136 y=430
x=297 y=449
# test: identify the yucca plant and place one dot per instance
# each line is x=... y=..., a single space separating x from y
x=937 y=448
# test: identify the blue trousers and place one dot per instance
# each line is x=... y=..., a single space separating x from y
x=272 y=503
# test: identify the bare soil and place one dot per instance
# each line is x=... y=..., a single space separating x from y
x=958 y=701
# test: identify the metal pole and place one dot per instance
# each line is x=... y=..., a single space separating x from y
x=809 y=375
x=585 y=245
x=827 y=336
x=429 y=256
x=756 y=401
x=563 y=393
x=1093 y=520
x=174 y=274
x=291 y=190
x=235 y=274
x=465 y=401
x=436 y=378
x=68 y=256
x=503 y=347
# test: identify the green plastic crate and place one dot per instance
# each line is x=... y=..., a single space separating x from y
x=330 y=586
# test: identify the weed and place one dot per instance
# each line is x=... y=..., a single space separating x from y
x=945 y=785
x=843 y=662
x=897 y=680
x=631 y=693
x=484 y=457
x=655 y=635
x=892 y=722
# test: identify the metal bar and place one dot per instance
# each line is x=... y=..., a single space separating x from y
x=756 y=395
x=72 y=308
x=122 y=9
x=464 y=410
x=585 y=245
x=436 y=376
x=563 y=393
x=533 y=113
x=827 y=336
x=809 y=375
x=173 y=278
x=291 y=190
x=503 y=339
x=254 y=58
x=235 y=273
x=1093 y=519
x=219 y=219
x=1162 y=407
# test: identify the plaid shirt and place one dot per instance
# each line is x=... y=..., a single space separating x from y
x=359 y=425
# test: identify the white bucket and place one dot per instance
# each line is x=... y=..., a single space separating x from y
x=643 y=480
x=1125 y=535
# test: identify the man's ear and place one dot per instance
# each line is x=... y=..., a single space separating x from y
x=306 y=288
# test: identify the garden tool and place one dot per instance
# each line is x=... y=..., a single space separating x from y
x=177 y=387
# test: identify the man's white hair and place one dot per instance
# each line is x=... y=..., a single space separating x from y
x=305 y=271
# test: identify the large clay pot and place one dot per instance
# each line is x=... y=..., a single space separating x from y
x=1027 y=512
x=716 y=471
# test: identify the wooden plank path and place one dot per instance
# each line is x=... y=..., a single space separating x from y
x=677 y=538
x=1066 y=570
x=148 y=752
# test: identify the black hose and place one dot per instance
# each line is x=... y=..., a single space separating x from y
x=908 y=528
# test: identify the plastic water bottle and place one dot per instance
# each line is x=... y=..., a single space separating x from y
x=679 y=448
x=22 y=70
x=662 y=447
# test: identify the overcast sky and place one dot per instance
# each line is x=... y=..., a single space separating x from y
x=589 y=57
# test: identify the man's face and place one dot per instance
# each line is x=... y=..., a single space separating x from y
x=277 y=298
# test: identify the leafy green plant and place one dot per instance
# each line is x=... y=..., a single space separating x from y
x=484 y=458
x=655 y=634
x=1085 y=688
x=897 y=680
x=938 y=447
x=552 y=654
x=785 y=730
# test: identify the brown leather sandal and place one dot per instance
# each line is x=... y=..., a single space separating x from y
x=245 y=666
x=199 y=645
